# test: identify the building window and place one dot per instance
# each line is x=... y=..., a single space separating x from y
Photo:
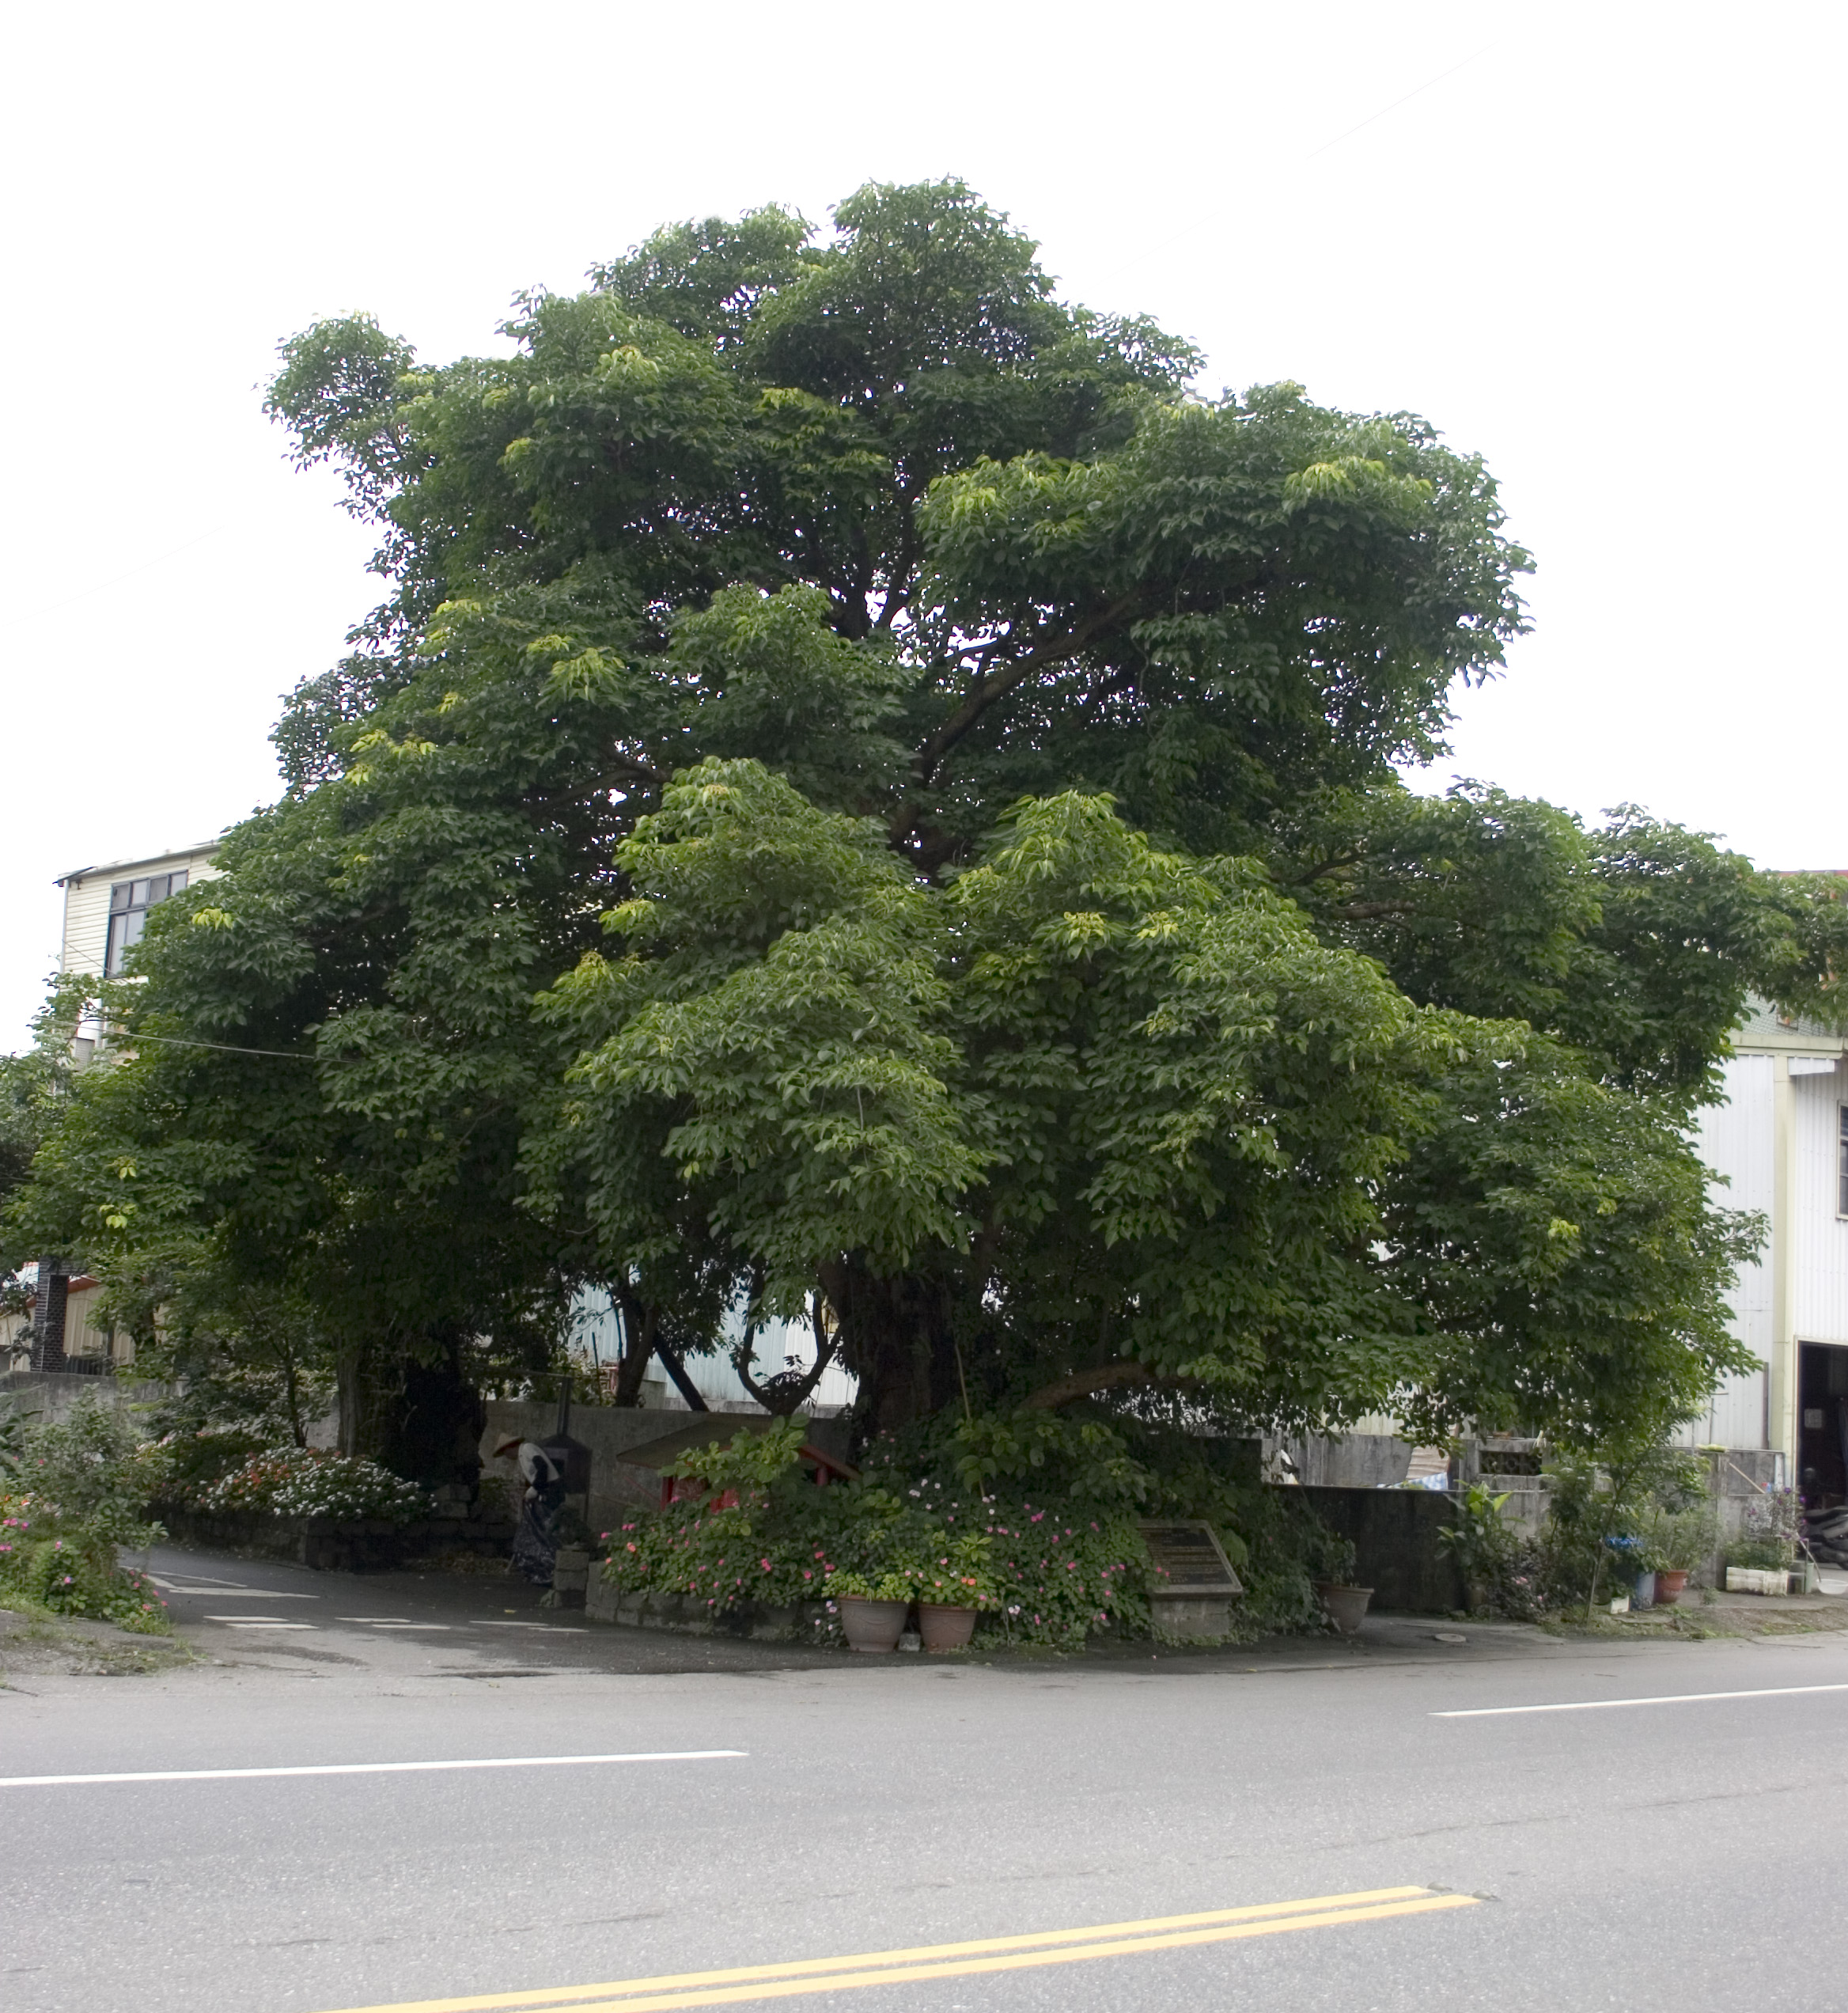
x=130 y=900
x=1842 y=1168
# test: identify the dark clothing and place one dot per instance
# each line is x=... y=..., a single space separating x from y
x=535 y=1543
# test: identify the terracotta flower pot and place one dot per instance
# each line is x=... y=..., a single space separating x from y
x=872 y=1625
x=1345 y=1605
x=1670 y=1586
x=944 y=1627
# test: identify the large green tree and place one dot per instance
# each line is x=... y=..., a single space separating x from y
x=867 y=792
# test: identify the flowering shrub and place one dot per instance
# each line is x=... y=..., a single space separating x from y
x=1040 y=1576
x=313 y=1482
x=179 y=1466
x=723 y=1556
x=70 y=1493
x=1767 y=1536
x=1058 y=1577
x=337 y=1485
x=69 y=1566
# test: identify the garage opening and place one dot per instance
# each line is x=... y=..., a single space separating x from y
x=1822 y=1445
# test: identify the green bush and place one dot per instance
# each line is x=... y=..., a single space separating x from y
x=1607 y=1520
x=1767 y=1538
x=1040 y=1576
x=1501 y=1570
x=68 y=1567
x=1114 y=1470
x=71 y=1492
x=91 y=1466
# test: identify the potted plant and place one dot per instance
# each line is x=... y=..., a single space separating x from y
x=1765 y=1548
x=1482 y=1545
x=1680 y=1541
x=1345 y=1603
x=872 y=1607
x=952 y=1589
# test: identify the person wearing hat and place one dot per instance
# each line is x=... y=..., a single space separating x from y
x=535 y=1543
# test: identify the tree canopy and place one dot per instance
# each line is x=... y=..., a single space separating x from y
x=869 y=794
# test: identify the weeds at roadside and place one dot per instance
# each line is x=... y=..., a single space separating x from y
x=36 y=1641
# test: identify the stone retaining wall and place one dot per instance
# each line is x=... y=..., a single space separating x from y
x=805 y=1621
x=45 y=1397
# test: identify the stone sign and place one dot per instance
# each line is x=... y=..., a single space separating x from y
x=1194 y=1583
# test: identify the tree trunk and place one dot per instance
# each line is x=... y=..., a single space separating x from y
x=641 y=1324
x=895 y=1336
x=369 y=1376
x=432 y=1435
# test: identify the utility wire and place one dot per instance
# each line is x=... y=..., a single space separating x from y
x=228 y=1048
x=1428 y=84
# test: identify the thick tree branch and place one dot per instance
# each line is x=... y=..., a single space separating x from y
x=677 y=1371
x=1365 y=911
x=1015 y=671
x=784 y=1392
x=630 y=766
x=1339 y=864
x=1083 y=1383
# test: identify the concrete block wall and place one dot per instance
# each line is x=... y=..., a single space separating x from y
x=1394 y=1532
x=43 y=1397
x=617 y=1488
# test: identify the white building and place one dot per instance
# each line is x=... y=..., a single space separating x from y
x=106 y=908
x=1781 y=1141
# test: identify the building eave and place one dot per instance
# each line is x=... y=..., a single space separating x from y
x=207 y=846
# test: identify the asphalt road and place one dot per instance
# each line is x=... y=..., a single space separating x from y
x=800 y=1809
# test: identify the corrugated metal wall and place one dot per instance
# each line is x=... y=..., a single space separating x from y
x=1737 y=1139
x=597 y=1326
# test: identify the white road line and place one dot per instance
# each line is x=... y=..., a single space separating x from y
x=1607 y=1705
x=272 y=1627
x=544 y=1628
x=231 y=1593
x=377 y=1621
x=370 y=1767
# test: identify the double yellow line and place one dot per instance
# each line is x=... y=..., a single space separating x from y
x=892 y=1967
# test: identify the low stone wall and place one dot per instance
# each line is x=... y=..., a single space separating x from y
x=756 y=1622
x=43 y=1397
x=1394 y=1532
x=371 y=1545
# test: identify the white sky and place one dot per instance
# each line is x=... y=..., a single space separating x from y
x=1599 y=245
